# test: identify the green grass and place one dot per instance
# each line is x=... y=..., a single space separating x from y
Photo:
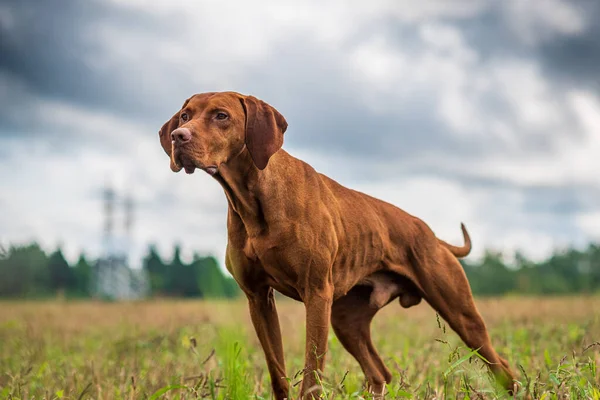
x=194 y=349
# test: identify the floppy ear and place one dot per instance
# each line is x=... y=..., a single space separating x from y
x=165 y=136
x=265 y=127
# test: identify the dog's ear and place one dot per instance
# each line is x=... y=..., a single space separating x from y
x=265 y=127
x=165 y=136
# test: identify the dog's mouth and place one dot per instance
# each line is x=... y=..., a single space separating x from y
x=190 y=165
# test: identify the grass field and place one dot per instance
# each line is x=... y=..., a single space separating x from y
x=194 y=349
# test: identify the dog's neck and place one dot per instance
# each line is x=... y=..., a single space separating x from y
x=240 y=180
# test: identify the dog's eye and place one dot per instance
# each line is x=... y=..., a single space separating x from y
x=221 y=116
x=184 y=117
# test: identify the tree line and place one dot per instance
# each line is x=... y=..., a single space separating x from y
x=568 y=271
x=201 y=278
x=28 y=272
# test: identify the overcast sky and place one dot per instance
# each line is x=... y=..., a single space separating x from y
x=484 y=112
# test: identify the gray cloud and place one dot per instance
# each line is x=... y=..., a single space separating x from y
x=575 y=59
x=324 y=110
x=567 y=58
x=54 y=58
x=54 y=49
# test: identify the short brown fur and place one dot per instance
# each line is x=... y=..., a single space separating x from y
x=343 y=253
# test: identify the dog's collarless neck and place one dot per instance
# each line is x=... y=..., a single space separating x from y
x=239 y=178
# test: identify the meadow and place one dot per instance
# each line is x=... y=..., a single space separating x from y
x=176 y=349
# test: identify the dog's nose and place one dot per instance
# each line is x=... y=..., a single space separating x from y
x=181 y=135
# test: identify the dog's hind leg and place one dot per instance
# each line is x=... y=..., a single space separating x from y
x=351 y=318
x=446 y=288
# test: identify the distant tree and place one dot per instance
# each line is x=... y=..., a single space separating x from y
x=62 y=276
x=526 y=275
x=491 y=276
x=593 y=265
x=156 y=270
x=23 y=272
x=210 y=278
x=183 y=279
x=558 y=274
x=83 y=276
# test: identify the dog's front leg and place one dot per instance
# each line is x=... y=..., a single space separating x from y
x=318 y=313
x=266 y=323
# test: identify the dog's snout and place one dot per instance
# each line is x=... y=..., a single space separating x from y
x=181 y=135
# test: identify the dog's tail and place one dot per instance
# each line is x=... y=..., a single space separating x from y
x=459 y=251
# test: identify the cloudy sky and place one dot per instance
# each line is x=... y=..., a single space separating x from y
x=466 y=110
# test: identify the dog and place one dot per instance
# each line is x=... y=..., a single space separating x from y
x=343 y=253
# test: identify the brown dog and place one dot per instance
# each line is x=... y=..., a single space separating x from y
x=341 y=252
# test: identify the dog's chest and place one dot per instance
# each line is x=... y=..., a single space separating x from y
x=274 y=261
x=265 y=249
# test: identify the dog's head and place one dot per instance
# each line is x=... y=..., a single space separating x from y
x=211 y=128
